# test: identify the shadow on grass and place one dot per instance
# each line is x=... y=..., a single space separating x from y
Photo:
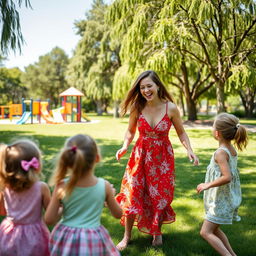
x=182 y=237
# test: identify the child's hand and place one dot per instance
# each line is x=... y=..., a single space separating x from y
x=201 y=187
x=113 y=189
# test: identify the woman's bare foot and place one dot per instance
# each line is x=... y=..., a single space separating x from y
x=157 y=240
x=123 y=244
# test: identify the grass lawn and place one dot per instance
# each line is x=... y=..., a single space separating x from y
x=182 y=237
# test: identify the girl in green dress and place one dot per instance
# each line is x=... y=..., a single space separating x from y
x=222 y=192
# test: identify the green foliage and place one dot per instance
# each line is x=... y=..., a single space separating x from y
x=11 y=36
x=193 y=43
x=242 y=76
x=122 y=82
x=95 y=58
x=11 y=87
x=46 y=78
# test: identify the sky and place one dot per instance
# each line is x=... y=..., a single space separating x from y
x=49 y=24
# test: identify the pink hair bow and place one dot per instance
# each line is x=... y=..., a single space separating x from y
x=32 y=163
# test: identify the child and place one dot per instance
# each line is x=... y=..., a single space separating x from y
x=22 y=197
x=222 y=192
x=82 y=197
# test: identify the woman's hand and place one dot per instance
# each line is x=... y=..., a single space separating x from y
x=201 y=187
x=193 y=158
x=120 y=153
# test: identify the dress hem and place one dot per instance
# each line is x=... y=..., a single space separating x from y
x=136 y=225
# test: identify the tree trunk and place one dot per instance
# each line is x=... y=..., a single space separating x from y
x=99 y=106
x=248 y=100
x=191 y=108
x=116 y=109
x=191 y=105
x=182 y=104
x=207 y=106
x=220 y=97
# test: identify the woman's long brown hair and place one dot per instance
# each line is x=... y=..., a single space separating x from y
x=135 y=101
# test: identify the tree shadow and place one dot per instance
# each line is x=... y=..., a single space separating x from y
x=181 y=237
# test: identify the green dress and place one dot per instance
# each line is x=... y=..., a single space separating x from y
x=221 y=203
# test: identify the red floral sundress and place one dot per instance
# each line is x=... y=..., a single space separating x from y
x=148 y=184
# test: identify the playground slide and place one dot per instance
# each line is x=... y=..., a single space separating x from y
x=57 y=116
x=84 y=116
x=24 y=118
x=47 y=117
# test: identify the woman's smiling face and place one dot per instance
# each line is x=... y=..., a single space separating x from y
x=148 y=89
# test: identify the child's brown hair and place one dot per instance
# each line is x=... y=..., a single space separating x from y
x=230 y=128
x=79 y=156
x=12 y=174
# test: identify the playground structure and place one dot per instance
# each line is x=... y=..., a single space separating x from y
x=28 y=109
x=71 y=102
x=12 y=109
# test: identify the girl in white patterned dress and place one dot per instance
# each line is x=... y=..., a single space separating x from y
x=222 y=192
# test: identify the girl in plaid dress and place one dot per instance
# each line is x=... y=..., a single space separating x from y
x=79 y=199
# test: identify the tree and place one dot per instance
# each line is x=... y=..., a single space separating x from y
x=212 y=35
x=95 y=58
x=11 y=87
x=46 y=78
x=151 y=40
x=11 y=36
x=243 y=83
x=223 y=32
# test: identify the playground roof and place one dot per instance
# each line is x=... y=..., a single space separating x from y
x=71 y=92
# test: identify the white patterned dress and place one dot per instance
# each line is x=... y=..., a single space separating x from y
x=221 y=203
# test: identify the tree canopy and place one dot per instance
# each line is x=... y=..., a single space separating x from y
x=192 y=44
x=95 y=58
x=47 y=77
x=11 y=87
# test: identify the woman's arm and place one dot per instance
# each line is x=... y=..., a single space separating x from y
x=46 y=195
x=2 y=208
x=53 y=214
x=129 y=135
x=221 y=158
x=177 y=122
x=112 y=204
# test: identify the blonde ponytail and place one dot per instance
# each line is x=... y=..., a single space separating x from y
x=241 y=138
x=76 y=158
x=230 y=128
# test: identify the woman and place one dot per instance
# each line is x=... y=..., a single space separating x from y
x=148 y=184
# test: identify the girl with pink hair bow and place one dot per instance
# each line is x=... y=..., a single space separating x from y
x=22 y=198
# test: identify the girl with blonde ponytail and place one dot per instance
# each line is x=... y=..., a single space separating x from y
x=222 y=192
x=81 y=195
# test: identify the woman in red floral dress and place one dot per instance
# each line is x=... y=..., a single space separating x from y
x=148 y=184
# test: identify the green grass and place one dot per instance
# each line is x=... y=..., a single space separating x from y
x=182 y=237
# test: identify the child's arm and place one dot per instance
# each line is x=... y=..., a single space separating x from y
x=2 y=208
x=53 y=214
x=114 y=207
x=221 y=158
x=46 y=195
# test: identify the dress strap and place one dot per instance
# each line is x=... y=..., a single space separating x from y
x=227 y=151
x=166 y=107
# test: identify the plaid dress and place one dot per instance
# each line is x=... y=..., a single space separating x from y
x=80 y=231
